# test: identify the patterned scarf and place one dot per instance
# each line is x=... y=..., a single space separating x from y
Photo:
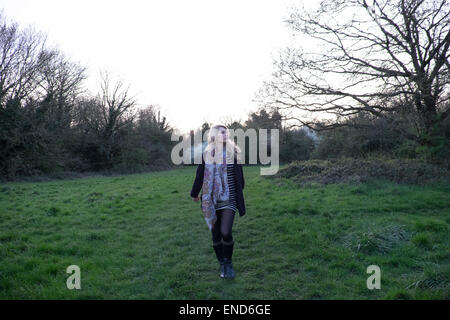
x=215 y=188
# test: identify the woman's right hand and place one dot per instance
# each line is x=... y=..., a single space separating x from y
x=195 y=199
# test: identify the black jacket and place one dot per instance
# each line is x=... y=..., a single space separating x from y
x=239 y=184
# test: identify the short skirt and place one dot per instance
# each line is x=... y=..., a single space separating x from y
x=231 y=202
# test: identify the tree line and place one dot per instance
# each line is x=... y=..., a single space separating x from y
x=381 y=68
x=49 y=123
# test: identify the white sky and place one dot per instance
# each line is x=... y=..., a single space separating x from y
x=196 y=59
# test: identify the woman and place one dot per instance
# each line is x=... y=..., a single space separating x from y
x=222 y=180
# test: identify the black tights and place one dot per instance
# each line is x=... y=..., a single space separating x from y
x=223 y=225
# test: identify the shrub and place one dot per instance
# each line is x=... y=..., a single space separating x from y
x=349 y=170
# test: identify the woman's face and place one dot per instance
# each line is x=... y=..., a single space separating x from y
x=222 y=134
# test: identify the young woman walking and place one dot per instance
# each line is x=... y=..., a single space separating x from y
x=221 y=179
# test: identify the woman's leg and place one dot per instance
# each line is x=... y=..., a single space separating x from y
x=221 y=232
x=223 y=227
x=215 y=231
x=223 y=242
x=226 y=224
x=217 y=244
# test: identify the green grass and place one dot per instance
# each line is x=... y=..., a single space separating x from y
x=141 y=237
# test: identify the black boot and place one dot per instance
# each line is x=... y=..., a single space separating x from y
x=227 y=254
x=218 y=248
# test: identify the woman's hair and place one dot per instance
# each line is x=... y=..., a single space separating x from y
x=213 y=141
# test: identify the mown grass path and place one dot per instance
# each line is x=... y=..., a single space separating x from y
x=141 y=237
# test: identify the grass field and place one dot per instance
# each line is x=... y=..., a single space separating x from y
x=141 y=237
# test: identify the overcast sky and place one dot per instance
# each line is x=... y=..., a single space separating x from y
x=199 y=60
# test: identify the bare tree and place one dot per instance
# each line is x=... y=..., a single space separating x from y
x=62 y=78
x=377 y=56
x=61 y=83
x=23 y=54
x=117 y=111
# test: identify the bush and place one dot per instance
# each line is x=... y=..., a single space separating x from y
x=349 y=170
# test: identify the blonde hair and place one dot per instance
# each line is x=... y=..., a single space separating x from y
x=231 y=147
